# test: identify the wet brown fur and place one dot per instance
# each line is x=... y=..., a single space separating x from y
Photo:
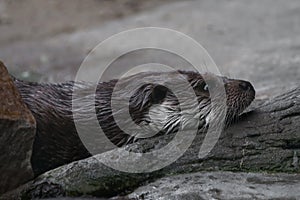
x=57 y=141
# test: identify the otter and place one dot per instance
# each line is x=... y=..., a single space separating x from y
x=151 y=103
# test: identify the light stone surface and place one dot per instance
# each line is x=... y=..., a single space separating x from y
x=222 y=185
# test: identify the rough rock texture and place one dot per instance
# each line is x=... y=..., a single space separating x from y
x=222 y=185
x=17 y=132
x=85 y=177
x=266 y=139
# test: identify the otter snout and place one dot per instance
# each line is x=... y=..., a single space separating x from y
x=240 y=94
x=247 y=87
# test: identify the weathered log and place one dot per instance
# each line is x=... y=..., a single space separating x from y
x=265 y=139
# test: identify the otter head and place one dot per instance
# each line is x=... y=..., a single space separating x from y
x=163 y=102
x=238 y=94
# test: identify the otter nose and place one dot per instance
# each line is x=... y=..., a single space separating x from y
x=245 y=85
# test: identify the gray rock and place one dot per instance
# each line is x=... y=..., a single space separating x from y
x=87 y=177
x=222 y=185
x=17 y=132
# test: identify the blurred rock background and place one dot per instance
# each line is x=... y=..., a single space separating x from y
x=35 y=35
x=254 y=40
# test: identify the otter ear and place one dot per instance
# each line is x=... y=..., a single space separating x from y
x=159 y=93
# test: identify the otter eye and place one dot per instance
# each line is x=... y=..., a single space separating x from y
x=205 y=88
x=159 y=93
x=202 y=87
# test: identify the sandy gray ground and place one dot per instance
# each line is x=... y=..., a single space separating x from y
x=254 y=40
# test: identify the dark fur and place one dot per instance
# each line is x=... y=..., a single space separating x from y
x=57 y=141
